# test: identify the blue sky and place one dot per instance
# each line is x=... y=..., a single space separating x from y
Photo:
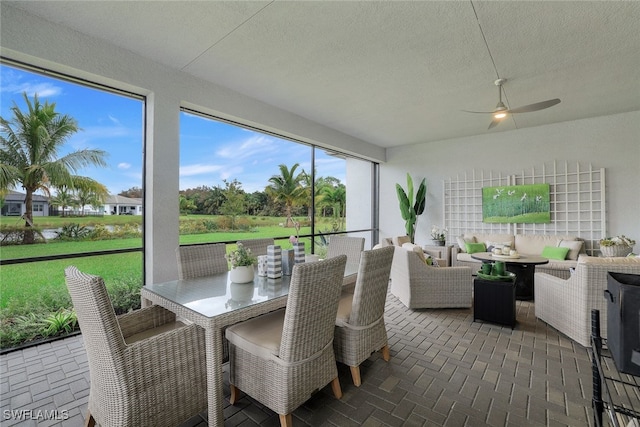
x=210 y=151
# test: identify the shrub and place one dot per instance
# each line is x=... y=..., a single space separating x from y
x=125 y=294
x=243 y=224
x=72 y=232
x=61 y=322
x=197 y=227
x=50 y=312
x=126 y=231
x=224 y=223
x=209 y=225
x=15 y=235
x=21 y=329
x=100 y=232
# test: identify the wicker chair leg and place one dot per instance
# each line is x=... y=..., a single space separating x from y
x=286 y=420
x=235 y=394
x=386 y=355
x=89 y=420
x=335 y=386
x=355 y=375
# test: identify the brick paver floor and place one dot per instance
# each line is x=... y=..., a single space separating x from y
x=445 y=370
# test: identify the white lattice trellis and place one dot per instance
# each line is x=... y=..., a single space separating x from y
x=577 y=202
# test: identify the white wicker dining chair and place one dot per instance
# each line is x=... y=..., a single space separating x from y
x=201 y=260
x=360 y=329
x=258 y=246
x=352 y=247
x=145 y=368
x=282 y=357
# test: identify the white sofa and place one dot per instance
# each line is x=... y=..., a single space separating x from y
x=525 y=244
x=566 y=304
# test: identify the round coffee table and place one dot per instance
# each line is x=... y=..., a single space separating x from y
x=523 y=267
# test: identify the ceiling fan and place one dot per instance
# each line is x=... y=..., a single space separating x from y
x=501 y=111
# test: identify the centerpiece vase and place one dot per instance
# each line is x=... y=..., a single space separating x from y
x=262 y=265
x=242 y=274
x=438 y=242
x=298 y=252
x=274 y=261
x=288 y=259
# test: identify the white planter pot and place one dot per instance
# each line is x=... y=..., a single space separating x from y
x=615 y=250
x=242 y=274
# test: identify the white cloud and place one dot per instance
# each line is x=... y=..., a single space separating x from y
x=250 y=147
x=124 y=165
x=198 y=169
x=12 y=83
x=231 y=172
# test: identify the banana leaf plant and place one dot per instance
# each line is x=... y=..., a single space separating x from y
x=410 y=210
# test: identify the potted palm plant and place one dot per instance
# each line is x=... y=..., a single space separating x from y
x=410 y=210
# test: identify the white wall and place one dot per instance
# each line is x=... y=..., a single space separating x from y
x=611 y=142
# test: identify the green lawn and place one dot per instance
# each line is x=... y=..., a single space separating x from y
x=38 y=288
x=19 y=282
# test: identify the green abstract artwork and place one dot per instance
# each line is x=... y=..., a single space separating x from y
x=516 y=204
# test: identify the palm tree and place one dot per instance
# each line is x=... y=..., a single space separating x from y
x=287 y=188
x=63 y=198
x=320 y=185
x=336 y=197
x=29 y=145
x=89 y=192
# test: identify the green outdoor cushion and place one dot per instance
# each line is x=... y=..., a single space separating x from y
x=472 y=248
x=553 y=252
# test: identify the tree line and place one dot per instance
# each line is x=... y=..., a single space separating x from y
x=287 y=194
x=31 y=139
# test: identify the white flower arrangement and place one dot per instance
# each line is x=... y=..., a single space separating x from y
x=438 y=233
x=620 y=240
x=240 y=257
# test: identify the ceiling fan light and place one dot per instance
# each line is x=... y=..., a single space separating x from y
x=500 y=115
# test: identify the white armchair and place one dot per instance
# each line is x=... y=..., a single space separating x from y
x=418 y=285
x=566 y=304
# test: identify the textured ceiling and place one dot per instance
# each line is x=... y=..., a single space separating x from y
x=390 y=73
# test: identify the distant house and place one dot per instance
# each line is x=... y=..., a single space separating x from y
x=120 y=205
x=14 y=205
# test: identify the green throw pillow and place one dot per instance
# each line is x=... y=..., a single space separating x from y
x=472 y=248
x=553 y=252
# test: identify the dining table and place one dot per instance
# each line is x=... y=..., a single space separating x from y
x=214 y=302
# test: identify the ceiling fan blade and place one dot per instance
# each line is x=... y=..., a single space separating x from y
x=494 y=123
x=535 y=107
x=480 y=112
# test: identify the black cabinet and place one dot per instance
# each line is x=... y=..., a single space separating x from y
x=494 y=301
x=615 y=394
